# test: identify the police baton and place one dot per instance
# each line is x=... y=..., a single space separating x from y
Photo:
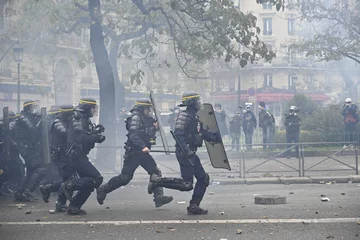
x=181 y=148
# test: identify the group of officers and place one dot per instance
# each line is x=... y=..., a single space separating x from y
x=72 y=135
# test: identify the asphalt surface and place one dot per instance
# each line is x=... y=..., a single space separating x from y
x=129 y=214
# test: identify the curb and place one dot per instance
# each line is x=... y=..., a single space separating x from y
x=272 y=180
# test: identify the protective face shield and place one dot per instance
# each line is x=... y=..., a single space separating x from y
x=94 y=111
x=348 y=101
x=34 y=108
x=198 y=103
x=147 y=111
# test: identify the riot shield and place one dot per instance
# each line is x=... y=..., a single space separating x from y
x=45 y=136
x=216 y=151
x=160 y=126
x=6 y=137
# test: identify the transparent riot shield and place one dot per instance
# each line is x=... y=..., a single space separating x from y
x=45 y=136
x=7 y=140
x=216 y=151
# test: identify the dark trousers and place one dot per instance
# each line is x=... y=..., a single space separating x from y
x=16 y=169
x=248 y=139
x=88 y=179
x=350 y=129
x=235 y=140
x=131 y=163
x=292 y=138
x=188 y=172
x=35 y=170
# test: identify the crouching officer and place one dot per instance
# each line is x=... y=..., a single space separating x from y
x=58 y=146
x=81 y=138
x=292 y=125
x=28 y=137
x=141 y=129
x=188 y=139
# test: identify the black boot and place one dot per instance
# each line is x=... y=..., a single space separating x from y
x=45 y=192
x=162 y=201
x=101 y=193
x=75 y=211
x=67 y=188
x=60 y=207
x=30 y=195
x=194 y=209
x=20 y=197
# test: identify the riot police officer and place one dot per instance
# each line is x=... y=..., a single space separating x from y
x=292 y=125
x=81 y=138
x=141 y=133
x=16 y=166
x=58 y=145
x=188 y=139
x=28 y=137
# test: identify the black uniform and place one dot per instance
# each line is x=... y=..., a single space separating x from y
x=351 y=119
x=28 y=137
x=292 y=124
x=188 y=139
x=141 y=134
x=81 y=138
x=58 y=146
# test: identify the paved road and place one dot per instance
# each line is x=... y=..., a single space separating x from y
x=129 y=214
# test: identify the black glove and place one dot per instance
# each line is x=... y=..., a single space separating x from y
x=99 y=138
x=100 y=128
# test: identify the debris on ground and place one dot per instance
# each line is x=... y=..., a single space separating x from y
x=267 y=175
x=215 y=183
x=322 y=195
x=242 y=206
x=330 y=236
x=238 y=231
x=322 y=182
x=51 y=211
x=19 y=207
x=38 y=220
x=211 y=193
x=91 y=226
x=325 y=199
x=181 y=202
x=171 y=229
x=342 y=193
x=231 y=176
x=222 y=213
x=28 y=212
x=291 y=192
x=316 y=212
x=159 y=231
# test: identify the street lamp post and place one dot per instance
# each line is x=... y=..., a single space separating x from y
x=18 y=57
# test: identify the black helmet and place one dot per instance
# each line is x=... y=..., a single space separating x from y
x=142 y=103
x=30 y=107
x=66 y=110
x=86 y=104
x=12 y=114
x=54 y=109
x=189 y=99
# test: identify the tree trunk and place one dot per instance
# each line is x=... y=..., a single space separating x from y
x=119 y=93
x=106 y=157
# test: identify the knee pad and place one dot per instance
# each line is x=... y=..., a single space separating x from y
x=98 y=181
x=207 y=180
x=125 y=178
x=157 y=172
x=41 y=171
x=186 y=186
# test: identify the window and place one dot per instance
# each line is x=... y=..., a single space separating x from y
x=291 y=27
x=291 y=55
x=267 y=29
x=310 y=81
x=267 y=6
x=292 y=81
x=267 y=80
